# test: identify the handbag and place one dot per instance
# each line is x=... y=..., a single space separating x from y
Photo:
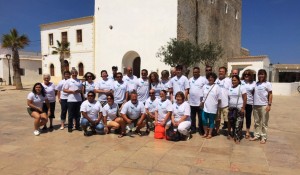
x=173 y=135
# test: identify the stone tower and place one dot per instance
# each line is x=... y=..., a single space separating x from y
x=211 y=20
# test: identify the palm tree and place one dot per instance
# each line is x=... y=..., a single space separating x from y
x=15 y=42
x=62 y=49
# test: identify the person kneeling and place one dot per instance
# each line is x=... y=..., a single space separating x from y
x=91 y=111
x=133 y=113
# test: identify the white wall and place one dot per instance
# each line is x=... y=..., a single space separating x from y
x=31 y=71
x=142 y=26
x=80 y=52
x=286 y=89
x=253 y=64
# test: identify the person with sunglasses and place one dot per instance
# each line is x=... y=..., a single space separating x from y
x=150 y=107
x=120 y=90
x=130 y=80
x=89 y=84
x=143 y=86
x=91 y=111
x=248 y=83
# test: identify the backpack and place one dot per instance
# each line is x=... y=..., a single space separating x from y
x=173 y=135
x=159 y=132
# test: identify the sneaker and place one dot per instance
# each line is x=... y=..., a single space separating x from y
x=36 y=132
x=62 y=128
x=78 y=128
x=51 y=128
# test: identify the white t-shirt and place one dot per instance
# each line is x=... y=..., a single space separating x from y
x=235 y=94
x=224 y=85
x=59 y=87
x=212 y=97
x=37 y=100
x=196 y=91
x=88 y=87
x=111 y=77
x=133 y=111
x=103 y=85
x=120 y=90
x=73 y=85
x=162 y=108
x=131 y=82
x=250 y=89
x=50 y=91
x=157 y=88
x=181 y=110
x=165 y=85
x=179 y=84
x=92 y=109
x=261 y=93
x=151 y=105
x=142 y=89
x=110 y=111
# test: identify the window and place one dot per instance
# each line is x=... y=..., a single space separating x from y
x=80 y=68
x=22 y=71
x=64 y=37
x=40 y=71
x=226 y=8
x=79 y=36
x=51 y=39
x=52 y=70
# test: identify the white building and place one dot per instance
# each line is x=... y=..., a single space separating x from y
x=80 y=33
x=116 y=35
x=30 y=64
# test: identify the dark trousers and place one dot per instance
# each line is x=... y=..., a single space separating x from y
x=248 y=115
x=64 y=109
x=194 y=111
x=73 y=113
x=52 y=109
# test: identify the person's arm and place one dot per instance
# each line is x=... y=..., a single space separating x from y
x=143 y=116
x=84 y=114
x=126 y=97
x=171 y=94
x=125 y=118
x=270 y=98
x=168 y=115
x=183 y=118
x=58 y=96
x=173 y=120
x=186 y=93
x=48 y=107
x=31 y=105
x=156 y=117
x=244 y=96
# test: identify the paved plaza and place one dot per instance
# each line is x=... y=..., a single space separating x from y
x=60 y=152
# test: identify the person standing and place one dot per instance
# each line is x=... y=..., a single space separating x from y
x=103 y=87
x=120 y=90
x=155 y=84
x=261 y=106
x=51 y=95
x=195 y=97
x=114 y=73
x=248 y=83
x=63 y=99
x=89 y=84
x=179 y=83
x=130 y=80
x=35 y=101
x=224 y=83
x=73 y=87
x=164 y=81
x=143 y=87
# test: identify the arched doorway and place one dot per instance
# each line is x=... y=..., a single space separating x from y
x=52 y=70
x=132 y=59
x=66 y=65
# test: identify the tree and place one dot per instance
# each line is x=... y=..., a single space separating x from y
x=63 y=50
x=188 y=54
x=15 y=42
x=182 y=53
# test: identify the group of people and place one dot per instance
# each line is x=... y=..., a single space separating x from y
x=127 y=103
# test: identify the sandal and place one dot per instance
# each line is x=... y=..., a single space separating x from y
x=122 y=135
x=204 y=136
x=209 y=137
x=254 y=139
x=263 y=141
x=247 y=136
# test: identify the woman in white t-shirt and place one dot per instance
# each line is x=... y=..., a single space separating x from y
x=237 y=99
x=35 y=100
x=155 y=84
x=211 y=99
x=261 y=106
x=89 y=84
x=181 y=116
x=164 y=81
x=163 y=110
x=91 y=111
x=103 y=87
x=248 y=83
x=111 y=118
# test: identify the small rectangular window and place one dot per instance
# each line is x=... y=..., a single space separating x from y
x=22 y=71
x=79 y=36
x=40 y=71
x=64 y=37
x=51 y=39
x=226 y=8
x=236 y=14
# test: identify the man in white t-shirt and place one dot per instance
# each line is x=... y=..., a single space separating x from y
x=143 y=87
x=131 y=80
x=133 y=113
x=114 y=70
x=224 y=84
x=150 y=107
x=103 y=87
x=120 y=90
x=179 y=83
x=195 y=97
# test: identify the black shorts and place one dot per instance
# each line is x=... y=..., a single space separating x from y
x=52 y=109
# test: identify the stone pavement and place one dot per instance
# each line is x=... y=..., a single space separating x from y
x=60 y=152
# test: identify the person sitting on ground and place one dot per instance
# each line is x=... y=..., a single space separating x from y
x=150 y=107
x=35 y=101
x=111 y=118
x=133 y=113
x=91 y=115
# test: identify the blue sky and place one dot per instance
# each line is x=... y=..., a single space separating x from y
x=269 y=27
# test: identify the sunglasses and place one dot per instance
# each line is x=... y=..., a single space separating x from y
x=118 y=76
x=208 y=70
x=109 y=98
x=91 y=96
x=151 y=93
